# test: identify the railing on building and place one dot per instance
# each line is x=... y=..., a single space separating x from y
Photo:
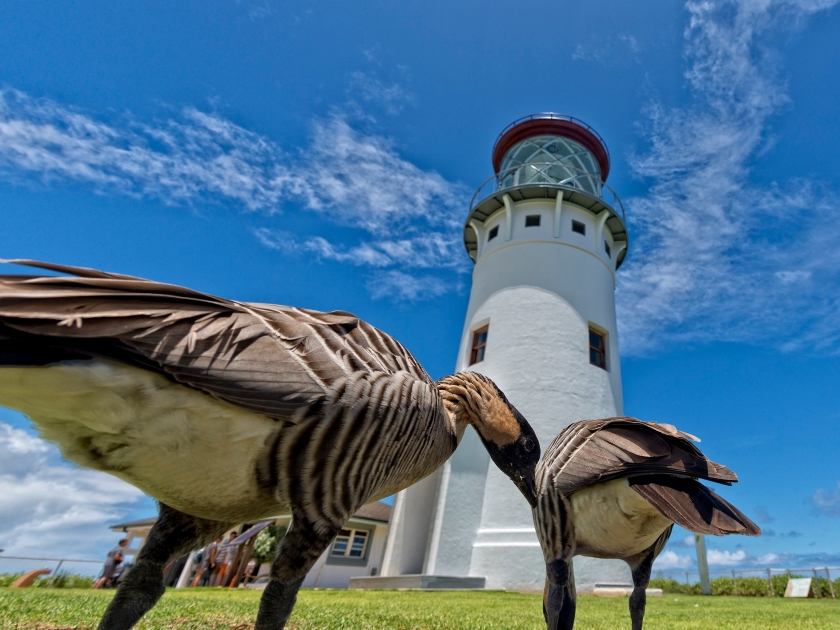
x=554 y=116
x=10 y=565
x=555 y=174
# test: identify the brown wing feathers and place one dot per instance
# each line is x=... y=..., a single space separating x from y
x=594 y=451
x=265 y=358
x=693 y=506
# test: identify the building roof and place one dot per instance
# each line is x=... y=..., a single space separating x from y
x=372 y=512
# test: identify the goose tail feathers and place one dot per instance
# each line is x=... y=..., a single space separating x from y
x=693 y=506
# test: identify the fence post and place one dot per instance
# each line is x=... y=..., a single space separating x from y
x=702 y=564
x=55 y=573
x=770 y=582
x=817 y=589
x=734 y=583
x=830 y=585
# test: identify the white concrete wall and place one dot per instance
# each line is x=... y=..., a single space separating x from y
x=539 y=294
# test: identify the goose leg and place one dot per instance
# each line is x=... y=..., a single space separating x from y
x=302 y=545
x=559 y=595
x=173 y=535
x=640 y=567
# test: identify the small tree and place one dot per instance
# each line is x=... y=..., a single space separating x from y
x=265 y=547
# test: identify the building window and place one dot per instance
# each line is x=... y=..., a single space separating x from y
x=578 y=227
x=532 y=220
x=493 y=233
x=597 y=348
x=350 y=543
x=607 y=249
x=479 y=344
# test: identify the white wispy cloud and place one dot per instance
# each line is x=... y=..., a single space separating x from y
x=352 y=178
x=669 y=560
x=827 y=502
x=407 y=287
x=716 y=256
x=50 y=508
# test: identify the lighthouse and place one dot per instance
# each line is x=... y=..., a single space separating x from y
x=546 y=235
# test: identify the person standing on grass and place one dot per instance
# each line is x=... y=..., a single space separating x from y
x=207 y=568
x=223 y=558
x=112 y=561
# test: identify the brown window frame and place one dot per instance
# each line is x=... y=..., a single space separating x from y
x=599 y=352
x=476 y=346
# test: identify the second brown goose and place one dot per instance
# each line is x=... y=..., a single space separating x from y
x=614 y=488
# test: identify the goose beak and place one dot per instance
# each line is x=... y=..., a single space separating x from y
x=528 y=488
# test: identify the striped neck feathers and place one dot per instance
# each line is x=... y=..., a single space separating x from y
x=471 y=398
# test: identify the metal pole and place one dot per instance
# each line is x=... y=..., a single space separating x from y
x=830 y=585
x=770 y=582
x=55 y=573
x=734 y=583
x=702 y=564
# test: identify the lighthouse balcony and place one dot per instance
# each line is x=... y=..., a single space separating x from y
x=562 y=183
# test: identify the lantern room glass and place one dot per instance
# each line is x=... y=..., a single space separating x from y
x=551 y=160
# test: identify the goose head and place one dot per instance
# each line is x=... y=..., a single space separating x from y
x=472 y=398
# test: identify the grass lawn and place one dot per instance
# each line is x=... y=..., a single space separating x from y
x=65 y=609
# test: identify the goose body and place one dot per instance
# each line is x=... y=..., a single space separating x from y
x=614 y=488
x=229 y=412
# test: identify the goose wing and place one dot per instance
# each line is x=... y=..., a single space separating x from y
x=594 y=451
x=269 y=359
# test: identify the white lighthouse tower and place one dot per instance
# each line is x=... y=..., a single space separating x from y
x=547 y=235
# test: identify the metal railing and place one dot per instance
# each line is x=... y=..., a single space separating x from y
x=553 y=116
x=23 y=564
x=553 y=174
x=765 y=573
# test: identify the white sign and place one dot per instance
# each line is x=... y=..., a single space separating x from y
x=799 y=587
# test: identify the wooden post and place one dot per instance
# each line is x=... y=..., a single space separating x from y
x=817 y=589
x=830 y=585
x=233 y=567
x=245 y=557
x=770 y=582
x=734 y=583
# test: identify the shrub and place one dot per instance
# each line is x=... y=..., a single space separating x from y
x=670 y=585
x=265 y=547
x=60 y=580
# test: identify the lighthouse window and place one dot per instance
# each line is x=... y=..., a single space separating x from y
x=493 y=233
x=532 y=220
x=597 y=349
x=478 y=345
x=607 y=249
x=578 y=227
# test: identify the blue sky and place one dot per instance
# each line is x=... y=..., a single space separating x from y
x=323 y=155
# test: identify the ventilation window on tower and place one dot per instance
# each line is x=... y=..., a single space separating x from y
x=532 y=220
x=578 y=227
x=493 y=233
x=479 y=344
x=597 y=348
x=607 y=249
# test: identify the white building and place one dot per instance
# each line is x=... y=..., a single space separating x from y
x=356 y=551
x=547 y=236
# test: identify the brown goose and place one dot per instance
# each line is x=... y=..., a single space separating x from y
x=614 y=488
x=227 y=412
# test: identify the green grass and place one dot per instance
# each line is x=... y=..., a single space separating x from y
x=65 y=609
